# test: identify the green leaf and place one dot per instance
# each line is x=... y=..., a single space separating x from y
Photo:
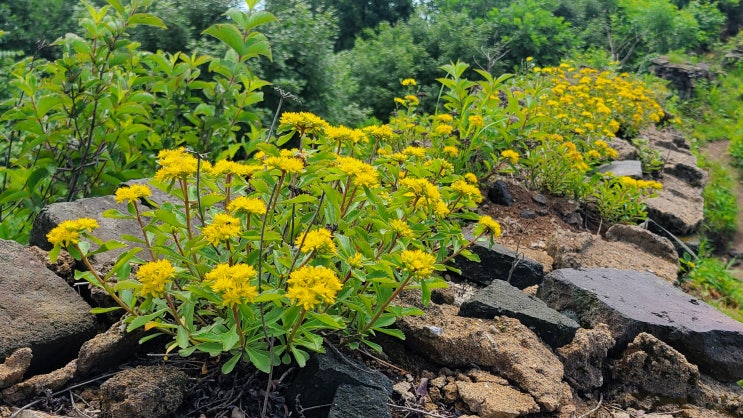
x=384 y=321
x=259 y=358
x=96 y=311
x=123 y=259
x=303 y=198
x=146 y=19
x=230 y=364
x=54 y=253
x=149 y=337
x=392 y=331
x=374 y=346
x=327 y=320
x=117 y=6
x=300 y=356
x=139 y=321
x=229 y=339
x=181 y=337
x=229 y=34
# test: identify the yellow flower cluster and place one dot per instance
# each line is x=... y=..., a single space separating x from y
x=176 y=164
x=640 y=184
x=488 y=224
x=510 y=155
x=290 y=165
x=154 y=276
x=401 y=228
x=408 y=82
x=361 y=173
x=225 y=167
x=471 y=177
x=247 y=205
x=419 y=263
x=303 y=122
x=344 y=135
x=476 y=121
x=68 y=232
x=415 y=152
x=233 y=283
x=222 y=228
x=310 y=286
x=132 y=194
x=381 y=133
x=319 y=240
x=465 y=189
x=451 y=151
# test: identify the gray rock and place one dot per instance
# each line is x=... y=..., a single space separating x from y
x=682 y=164
x=584 y=357
x=39 y=310
x=631 y=302
x=540 y=198
x=145 y=391
x=679 y=207
x=496 y=263
x=500 y=298
x=498 y=193
x=652 y=366
x=108 y=349
x=319 y=383
x=625 y=150
x=643 y=239
x=629 y=168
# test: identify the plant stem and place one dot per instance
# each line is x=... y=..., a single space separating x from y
x=386 y=303
x=103 y=283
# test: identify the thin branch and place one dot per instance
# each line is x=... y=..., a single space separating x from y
x=598 y=406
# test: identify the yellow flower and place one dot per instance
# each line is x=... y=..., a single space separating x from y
x=627 y=181
x=154 y=276
x=343 y=134
x=362 y=174
x=319 y=240
x=593 y=154
x=222 y=228
x=467 y=189
x=247 y=205
x=415 y=152
x=369 y=179
x=451 y=151
x=413 y=100
x=408 y=82
x=233 y=283
x=68 y=232
x=400 y=101
x=476 y=121
x=444 y=130
x=601 y=144
x=445 y=118
x=401 y=228
x=471 y=177
x=355 y=261
x=175 y=163
x=419 y=263
x=486 y=223
x=380 y=133
x=303 y=122
x=511 y=155
x=289 y=165
x=309 y=286
x=224 y=167
x=131 y=194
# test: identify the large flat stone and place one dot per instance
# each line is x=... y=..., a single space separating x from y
x=500 y=298
x=497 y=263
x=631 y=302
x=109 y=229
x=679 y=207
x=39 y=310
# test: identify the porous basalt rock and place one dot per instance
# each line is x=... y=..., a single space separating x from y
x=585 y=356
x=144 y=392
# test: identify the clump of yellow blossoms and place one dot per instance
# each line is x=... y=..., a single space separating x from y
x=467 y=190
x=488 y=224
x=319 y=241
x=176 y=164
x=132 y=193
x=154 y=276
x=68 y=232
x=451 y=151
x=510 y=155
x=233 y=283
x=401 y=228
x=303 y=122
x=289 y=165
x=363 y=174
x=247 y=205
x=419 y=263
x=222 y=228
x=310 y=286
x=344 y=135
x=408 y=82
x=225 y=167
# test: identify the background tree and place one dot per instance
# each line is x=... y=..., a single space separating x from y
x=29 y=24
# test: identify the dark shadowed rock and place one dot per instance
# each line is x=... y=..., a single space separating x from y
x=631 y=302
x=496 y=263
x=325 y=374
x=39 y=310
x=500 y=298
x=145 y=391
x=584 y=357
x=654 y=367
x=498 y=193
x=629 y=168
